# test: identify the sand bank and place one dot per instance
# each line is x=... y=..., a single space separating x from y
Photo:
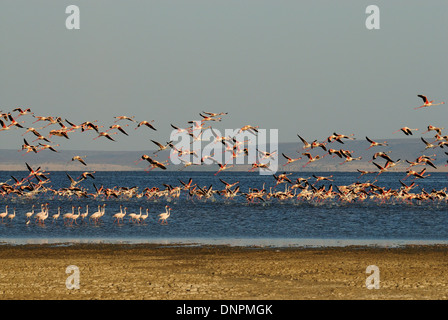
x=161 y=272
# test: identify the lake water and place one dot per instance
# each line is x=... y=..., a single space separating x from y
x=235 y=222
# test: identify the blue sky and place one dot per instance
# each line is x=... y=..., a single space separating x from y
x=303 y=67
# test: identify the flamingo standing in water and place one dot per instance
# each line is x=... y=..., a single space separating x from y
x=4 y=214
x=29 y=214
x=74 y=217
x=11 y=216
x=119 y=215
x=57 y=215
x=145 y=216
x=43 y=217
x=427 y=103
x=165 y=215
x=85 y=214
x=137 y=217
x=68 y=215
x=97 y=215
x=41 y=212
x=132 y=216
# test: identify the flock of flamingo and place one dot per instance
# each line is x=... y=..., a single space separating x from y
x=301 y=189
x=72 y=217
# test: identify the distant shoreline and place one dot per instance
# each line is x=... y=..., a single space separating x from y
x=399 y=148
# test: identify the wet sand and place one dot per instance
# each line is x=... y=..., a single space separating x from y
x=166 y=272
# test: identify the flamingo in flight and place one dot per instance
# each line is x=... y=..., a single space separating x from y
x=374 y=143
x=80 y=159
x=290 y=160
x=349 y=159
x=146 y=123
x=209 y=118
x=428 y=145
x=427 y=103
x=47 y=146
x=125 y=118
x=335 y=153
x=363 y=172
x=433 y=128
x=311 y=158
x=90 y=126
x=382 y=155
x=29 y=148
x=249 y=128
x=406 y=130
x=4 y=126
x=59 y=133
x=105 y=134
x=419 y=175
x=180 y=130
x=14 y=122
x=33 y=130
x=211 y=114
x=316 y=144
x=222 y=167
x=22 y=112
x=339 y=137
x=306 y=144
x=169 y=144
x=153 y=163
x=119 y=128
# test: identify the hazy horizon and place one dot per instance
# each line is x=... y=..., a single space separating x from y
x=309 y=68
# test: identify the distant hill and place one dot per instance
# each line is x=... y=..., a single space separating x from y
x=404 y=149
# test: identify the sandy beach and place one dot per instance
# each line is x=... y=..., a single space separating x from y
x=164 y=272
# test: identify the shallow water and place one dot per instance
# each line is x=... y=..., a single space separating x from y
x=216 y=221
